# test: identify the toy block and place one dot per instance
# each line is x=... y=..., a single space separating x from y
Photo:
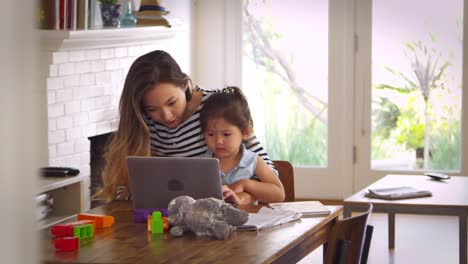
x=140 y=215
x=66 y=243
x=165 y=223
x=148 y=223
x=157 y=223
x=66 y=229
x=102 y=221
x=61 y=230
x=83 y=231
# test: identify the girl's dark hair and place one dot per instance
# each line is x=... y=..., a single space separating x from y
x=229 y=104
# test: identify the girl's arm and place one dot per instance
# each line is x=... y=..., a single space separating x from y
x=268 y=190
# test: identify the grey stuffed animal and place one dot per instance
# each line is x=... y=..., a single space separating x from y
x=204 y=217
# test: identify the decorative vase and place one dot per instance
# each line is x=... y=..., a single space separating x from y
x=128 y=19
x=110 y=15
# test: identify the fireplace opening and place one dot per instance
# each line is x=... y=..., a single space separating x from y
x=98 y=145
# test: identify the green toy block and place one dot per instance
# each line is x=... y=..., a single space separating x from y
x=157 y=225
x=83 y=231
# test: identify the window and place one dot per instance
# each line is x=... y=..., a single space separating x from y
x=285 y=77
x=416 y=84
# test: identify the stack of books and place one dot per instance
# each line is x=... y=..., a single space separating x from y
x=151 y=14
x=64 y=14
x=44 y=205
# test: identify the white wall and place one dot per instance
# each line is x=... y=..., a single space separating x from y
x=208 y=40
x=20 y=110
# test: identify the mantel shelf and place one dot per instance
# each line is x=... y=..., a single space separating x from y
x=63 y=40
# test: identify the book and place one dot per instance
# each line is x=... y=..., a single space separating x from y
x=306 y=208
x=394 y=193
x=268 y=217
x=82 y=14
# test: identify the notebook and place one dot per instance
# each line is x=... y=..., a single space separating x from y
x=306 y=208
x=155 y=181
x=268 y=217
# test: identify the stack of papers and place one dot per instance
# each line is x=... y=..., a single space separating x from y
x=267 y=217
x=395 y=193
x=306 y=208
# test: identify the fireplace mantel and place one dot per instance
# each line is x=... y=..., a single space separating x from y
x=64 y=40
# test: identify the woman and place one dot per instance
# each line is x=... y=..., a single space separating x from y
x=159 y=116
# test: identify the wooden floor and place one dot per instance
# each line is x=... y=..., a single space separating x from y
x=418 y=239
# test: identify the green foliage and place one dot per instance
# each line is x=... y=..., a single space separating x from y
x=446 y=147
x=426 y=75
x=308 y=147
x=409 y=130
x=291 y=132
x=385 y=116
x=109 y=2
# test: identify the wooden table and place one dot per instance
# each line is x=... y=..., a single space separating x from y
x=449 y=197
x=129 y=242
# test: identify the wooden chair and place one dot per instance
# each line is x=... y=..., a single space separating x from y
x=349 y=240
x=286 y=175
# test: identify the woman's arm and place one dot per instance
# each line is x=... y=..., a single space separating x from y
x=269 y=189
x=254 y=145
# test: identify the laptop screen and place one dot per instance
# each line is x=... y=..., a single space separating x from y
x=155 y=181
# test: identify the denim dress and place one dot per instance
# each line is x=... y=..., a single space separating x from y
x=244 y=170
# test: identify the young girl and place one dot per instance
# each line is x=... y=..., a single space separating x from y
x=226 y=122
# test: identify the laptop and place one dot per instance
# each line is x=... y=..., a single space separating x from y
x=155 y=181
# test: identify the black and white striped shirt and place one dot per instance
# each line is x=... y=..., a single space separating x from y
x=187 y=140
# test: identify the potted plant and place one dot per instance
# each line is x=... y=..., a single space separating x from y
x=110 y=12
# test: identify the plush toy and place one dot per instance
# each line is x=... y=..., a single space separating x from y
x=204 y=217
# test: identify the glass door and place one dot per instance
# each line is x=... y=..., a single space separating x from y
x=408 y=88
x=285 y=77
x=294 y=75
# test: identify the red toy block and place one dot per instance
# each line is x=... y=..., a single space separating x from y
x=66 y=243
x=102 y=221
x=61 y=230
x=66 y=229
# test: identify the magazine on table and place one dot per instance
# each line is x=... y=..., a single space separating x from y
x=306 y=208
x=267 y=217
x=394 y=193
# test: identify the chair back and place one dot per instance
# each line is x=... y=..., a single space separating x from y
x=346 y=240
x=286 y=175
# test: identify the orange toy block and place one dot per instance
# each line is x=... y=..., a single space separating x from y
x=101 y=221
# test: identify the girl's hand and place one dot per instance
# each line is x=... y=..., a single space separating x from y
x=230 y=196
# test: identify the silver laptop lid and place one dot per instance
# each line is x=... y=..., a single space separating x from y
x=155 y=181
